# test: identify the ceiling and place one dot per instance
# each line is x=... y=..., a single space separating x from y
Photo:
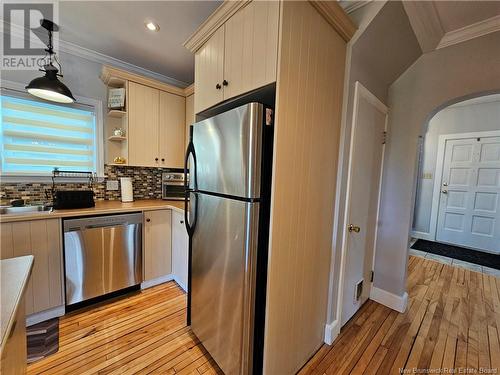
x=116 y=29
x=438 y=24
x=458 y=14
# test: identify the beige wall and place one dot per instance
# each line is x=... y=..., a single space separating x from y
x=436 y=80
x=383 y=27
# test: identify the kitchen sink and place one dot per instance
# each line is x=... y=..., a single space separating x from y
x=23 y=209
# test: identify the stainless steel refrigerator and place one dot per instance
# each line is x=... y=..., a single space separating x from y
x=228 y=224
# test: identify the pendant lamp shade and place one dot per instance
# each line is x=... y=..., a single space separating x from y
x=50 y=88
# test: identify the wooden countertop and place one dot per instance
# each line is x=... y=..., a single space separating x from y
x=101 y=207
x=14 y=279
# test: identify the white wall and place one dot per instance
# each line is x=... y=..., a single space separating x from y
x=434 y=81
x=465 y=117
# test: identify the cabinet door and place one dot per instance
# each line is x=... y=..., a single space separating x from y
x=157 y=244
x=42 y=239
x=180 y=248
x=143 y=111
x=172 y=129
x=251 y=47
x=208 y=72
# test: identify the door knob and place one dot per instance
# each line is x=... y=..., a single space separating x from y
x=218 y=86
x=444 y=191
x=148 y=220
x=445 y=184
x=353 y=228
x=225 y=83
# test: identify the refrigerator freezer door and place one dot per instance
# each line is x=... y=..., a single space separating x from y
x=228 y=152
x=223 y=277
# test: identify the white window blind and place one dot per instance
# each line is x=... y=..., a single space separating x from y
x=37 y=136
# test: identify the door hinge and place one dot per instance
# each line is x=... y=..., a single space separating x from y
x=384 y=137
x=371 y=277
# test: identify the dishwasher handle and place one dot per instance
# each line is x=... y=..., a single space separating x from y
x=73 y=225
x=106 y=225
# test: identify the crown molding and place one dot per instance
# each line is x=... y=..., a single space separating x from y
x=352 y=6
x=333 y=13
x=469 y=32
x=189 y=90
x=98 y=57
x=212 y=23
x=425 y=22
x=94 y=56
x=110 y=72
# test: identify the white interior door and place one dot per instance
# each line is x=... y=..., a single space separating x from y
x=469 y=205
x=365 y=162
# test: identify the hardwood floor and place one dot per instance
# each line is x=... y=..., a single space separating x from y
x=452 y=322
x=144 y=333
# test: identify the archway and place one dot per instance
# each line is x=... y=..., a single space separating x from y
x=456 y=216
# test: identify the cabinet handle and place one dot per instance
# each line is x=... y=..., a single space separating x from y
x=156 y=159
x=225 y=83
x=162 y=159
x=148 y=220
x=218 y=86
x=182 y=221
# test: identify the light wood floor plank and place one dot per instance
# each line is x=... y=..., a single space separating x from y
x=452 y=322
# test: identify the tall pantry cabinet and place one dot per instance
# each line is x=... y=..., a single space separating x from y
x=300 y=45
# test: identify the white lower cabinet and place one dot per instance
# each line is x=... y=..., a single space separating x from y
x=157 y=252
x=180 y=248
x=44 y=295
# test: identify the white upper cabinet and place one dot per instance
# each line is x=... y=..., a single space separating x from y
x=156 y=127
x=239 y=57
x=143 y=104
x=172 y=130
x=251 y=48
x=209 y=71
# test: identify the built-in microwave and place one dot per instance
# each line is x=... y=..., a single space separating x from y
x=172 y=185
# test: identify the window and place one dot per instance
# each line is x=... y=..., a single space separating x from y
x=38 y=136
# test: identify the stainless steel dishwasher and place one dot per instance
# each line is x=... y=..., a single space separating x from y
x=102 y=254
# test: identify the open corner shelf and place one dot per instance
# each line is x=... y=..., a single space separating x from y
x=117 y=138
x=116 y=113
x=118 y=164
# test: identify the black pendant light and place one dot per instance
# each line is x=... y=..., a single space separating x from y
x=49 y=87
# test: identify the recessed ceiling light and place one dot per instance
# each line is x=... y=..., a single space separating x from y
x=152 y=26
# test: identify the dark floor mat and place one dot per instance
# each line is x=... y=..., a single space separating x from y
x=456 y=252
x=42 y=339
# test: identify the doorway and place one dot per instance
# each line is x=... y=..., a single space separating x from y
x=469 y=202
x=457 y=207
x=458 y=191
x=363 y=189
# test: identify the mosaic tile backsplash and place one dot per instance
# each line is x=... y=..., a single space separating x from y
x=146 y=183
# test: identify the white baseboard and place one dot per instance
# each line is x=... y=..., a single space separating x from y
x=332 y=330
x=181 y=284
x=390 y=300
x=159 y=280
x=45 y=315
x=423 y=235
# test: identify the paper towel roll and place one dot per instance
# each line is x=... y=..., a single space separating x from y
x=126 y=188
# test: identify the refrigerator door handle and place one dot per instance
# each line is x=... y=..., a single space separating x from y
x=187 y=191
